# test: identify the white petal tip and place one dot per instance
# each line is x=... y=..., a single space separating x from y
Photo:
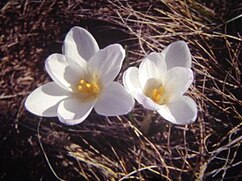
x=114 y=101
x=182 y=111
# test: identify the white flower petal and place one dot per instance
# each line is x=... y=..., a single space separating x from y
x=181 y=111
x=107 y=63
x=44 y=100
x=65 y=73
x=177 y=54
x=150 y=85
x=132 y=84
x=147 y=102
x=115 y=100
x=79 y=44
x=177 y=81
x=153 y=66
x=74 y=111
x=131 y=81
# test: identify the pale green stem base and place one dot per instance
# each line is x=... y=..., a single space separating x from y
x=145 y=125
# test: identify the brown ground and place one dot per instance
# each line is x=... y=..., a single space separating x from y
x=32 y=148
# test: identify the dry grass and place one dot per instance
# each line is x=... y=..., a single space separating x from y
x=114 y=148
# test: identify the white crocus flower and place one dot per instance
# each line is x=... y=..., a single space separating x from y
x=160 y=82
x=82 y=80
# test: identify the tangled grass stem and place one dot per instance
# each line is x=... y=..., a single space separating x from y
x=208 y=149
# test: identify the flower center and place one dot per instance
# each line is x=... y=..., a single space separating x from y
x=90 y=88
x=158 y=95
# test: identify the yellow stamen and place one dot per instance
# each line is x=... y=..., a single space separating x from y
x=157 y=95
x=80 y=88
x=88 y=85
x=89 y=88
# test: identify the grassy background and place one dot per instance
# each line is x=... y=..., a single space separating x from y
x=101 y=148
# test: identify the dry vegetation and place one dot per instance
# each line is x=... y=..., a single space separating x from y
x=113 y=148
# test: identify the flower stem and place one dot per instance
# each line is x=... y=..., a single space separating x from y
x=145 y=125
